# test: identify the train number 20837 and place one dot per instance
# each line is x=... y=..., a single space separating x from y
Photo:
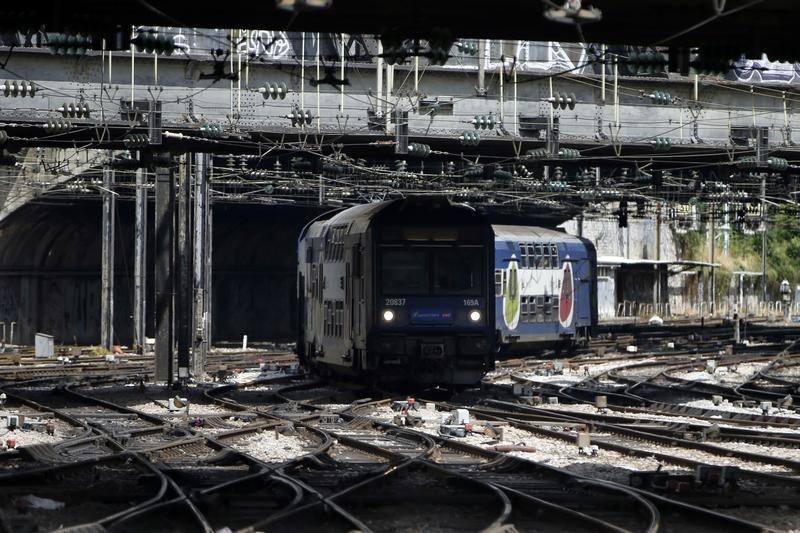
x=397 y=302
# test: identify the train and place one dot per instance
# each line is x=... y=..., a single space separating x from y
x=429 y=291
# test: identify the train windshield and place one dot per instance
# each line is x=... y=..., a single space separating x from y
x=432 y=271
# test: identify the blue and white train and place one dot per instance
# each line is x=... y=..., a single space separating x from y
x=427 y=291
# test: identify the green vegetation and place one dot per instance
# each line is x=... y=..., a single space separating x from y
x=744 y=251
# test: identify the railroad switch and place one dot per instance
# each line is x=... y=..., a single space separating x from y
x=409 y=420
x=409 y=404
x=706 y=478
x=522 y=390
x=330 y=419
x=601 y=401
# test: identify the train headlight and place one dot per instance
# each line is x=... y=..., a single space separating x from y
x=388 y=315
x=475 y=315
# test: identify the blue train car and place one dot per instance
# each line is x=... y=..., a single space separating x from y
x=545 y=288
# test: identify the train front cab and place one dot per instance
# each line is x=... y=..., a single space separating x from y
x=433 y=322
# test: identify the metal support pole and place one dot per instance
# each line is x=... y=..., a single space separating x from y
x=502 y=90
x=389 y=102
x=416 y=75
x=482 y=67
x=763 y=237
x=107 y=267
x=603 y=77
x=183 y=263
x=200 y=344
x=318 y=121
x=657 y=285
x=140 y=264
x=379 y=81
x=303 y=72
x=209 y=293
x=164 y=232
x=341 y=87
x=713 y=298
x=516 y=114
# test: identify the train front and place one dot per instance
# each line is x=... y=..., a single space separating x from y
x=432 y=322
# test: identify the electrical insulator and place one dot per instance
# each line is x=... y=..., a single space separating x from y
x=537 y=153
x=647 y=63
x=661 y=144
x=136 y=140
x=562 y=100
x=400 y=165
x=475 y=172
x=484 y=122
x=150 y=42
x=569 y=153
x=300 y=117
x=18 y=88
x=212 y=131
x=469 y=48
x=503 y=175
x=76 y=110
x=419 y=150
x=450 y=168
x=274 y=90
x=64 y=44
x=660 y=97
x=470 y=138
x=3 y=137
x=777 y=163
x=57 y=125
x=747 y=162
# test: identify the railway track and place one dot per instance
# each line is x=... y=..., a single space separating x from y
x=282 y=451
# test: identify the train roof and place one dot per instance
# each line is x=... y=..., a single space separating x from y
x=410 y=208
x=531 y=233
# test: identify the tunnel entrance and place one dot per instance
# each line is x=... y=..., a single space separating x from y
x=50 y=254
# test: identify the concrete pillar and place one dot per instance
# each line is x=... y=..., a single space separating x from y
x=140 y=263
x=183 y=267
x=107 y=261
x=201 y=312
x=164 y=237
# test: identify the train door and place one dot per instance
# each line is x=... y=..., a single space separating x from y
x=356 y=301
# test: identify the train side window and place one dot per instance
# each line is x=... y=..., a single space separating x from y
x=554 y=253
x=523 y=255
x=548 y=305
x=548 y=256
x=338 y=319
x=498 y=282
x=538 y=255
x=540 y=308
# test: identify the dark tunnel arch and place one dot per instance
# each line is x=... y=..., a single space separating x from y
x=50 y=270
